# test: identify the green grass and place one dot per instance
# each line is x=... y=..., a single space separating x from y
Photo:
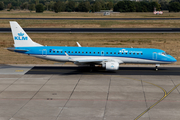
x=94 y=23
x=48 y=14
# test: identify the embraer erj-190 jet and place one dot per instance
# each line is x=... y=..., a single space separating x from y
x=109 y=58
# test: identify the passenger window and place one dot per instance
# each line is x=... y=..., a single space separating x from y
x=126 y=53
x=130 y=53
x=72 y=52
x=137 y=53
x=141 y=53
x=114 y=52
x=133 y=53
x=82 y=52
x=90 y=52
x=78 y=52
x=94 y=52
x=57 y=51
x=75 y=51
x=118 y=52
x=86 y=52
x=106 y=52
x=122 y=52
x=98 y=52
x=61 y=51
x=110 y=52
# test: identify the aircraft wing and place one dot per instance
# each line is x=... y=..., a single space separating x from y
x=92 y=60
x=89 y=60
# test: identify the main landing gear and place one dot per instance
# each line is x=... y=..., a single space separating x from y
x=92 y=66
x=156 y=68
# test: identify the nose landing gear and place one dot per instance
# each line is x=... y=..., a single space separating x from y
x=156 y=68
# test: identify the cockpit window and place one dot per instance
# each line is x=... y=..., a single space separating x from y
x=165 y=53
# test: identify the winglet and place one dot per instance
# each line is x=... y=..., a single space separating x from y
x=78 y=44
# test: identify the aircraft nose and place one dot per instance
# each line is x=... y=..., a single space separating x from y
x=173 y=59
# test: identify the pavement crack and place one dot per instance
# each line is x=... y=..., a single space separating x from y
x=174 y=85
x=69 y=98
x=10 y=84
x=144 y=96
x=107 y=98
x=165 y=95
x=31 y=97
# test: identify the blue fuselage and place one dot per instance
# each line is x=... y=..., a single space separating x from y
x=127 y=55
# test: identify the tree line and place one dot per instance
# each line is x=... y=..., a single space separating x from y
x=90 y=5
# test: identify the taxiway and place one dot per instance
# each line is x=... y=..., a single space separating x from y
x=70 y=93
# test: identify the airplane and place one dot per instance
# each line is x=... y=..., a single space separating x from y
x=109 y=58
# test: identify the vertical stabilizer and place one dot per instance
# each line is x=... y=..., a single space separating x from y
x=21 y=39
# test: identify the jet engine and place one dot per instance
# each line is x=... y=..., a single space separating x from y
x=112 y=65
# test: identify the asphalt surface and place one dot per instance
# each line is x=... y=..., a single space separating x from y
x=134 y=92
x=91 y=18
x=96 y=30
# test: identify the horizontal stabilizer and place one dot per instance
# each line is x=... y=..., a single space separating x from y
x=13 y=49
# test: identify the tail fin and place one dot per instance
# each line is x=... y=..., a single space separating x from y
x=21 y=39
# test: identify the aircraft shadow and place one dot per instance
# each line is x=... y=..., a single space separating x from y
x=98 y=70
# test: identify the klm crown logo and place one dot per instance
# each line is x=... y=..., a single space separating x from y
x=20 y=37
x=21 y=34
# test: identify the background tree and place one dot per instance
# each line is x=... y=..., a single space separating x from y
x=143 y=6
x=70 y=6
x=176 y=1
x=59 y=6
x=39 y=8
x=131 y=5
x=24 y=5
x=37 y=2
x=16 y=4
x=164 y=5
x=1 y=5
x=109 y=5
x=9 y=6
x=103 y=5
x=152 y=5
x=96 y=7
x=31 y=7
x=174 y=6
x=120 y=7
x=51 y=5
x=84 y=6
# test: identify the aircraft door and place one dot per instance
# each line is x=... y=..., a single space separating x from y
x=154 y=55
x=44 y=52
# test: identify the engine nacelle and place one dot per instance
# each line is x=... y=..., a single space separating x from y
x=112 y=65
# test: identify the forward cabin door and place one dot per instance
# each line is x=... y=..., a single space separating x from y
x=44 y=52
x=154 y=55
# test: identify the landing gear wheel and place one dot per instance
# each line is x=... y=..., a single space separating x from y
x=156 y=68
